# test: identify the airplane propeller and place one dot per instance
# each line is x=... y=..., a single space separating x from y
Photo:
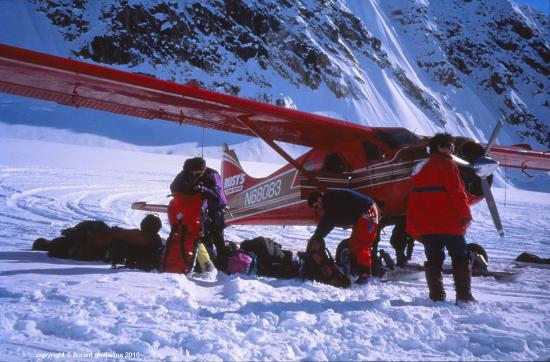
x=481 y=166
x=484 y=167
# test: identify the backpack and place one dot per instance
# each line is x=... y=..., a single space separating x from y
x=233 y=260
x=185 y=217
x=87 y=240
x=318 y=265
x=272 y=260
x=124 y=253
x=240 y=263
x=62 y=247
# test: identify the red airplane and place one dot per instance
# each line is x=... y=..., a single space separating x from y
x=376 y=161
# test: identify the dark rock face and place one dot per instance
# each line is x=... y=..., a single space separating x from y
x=306 y=44
x=218 y=36
x=66 y=15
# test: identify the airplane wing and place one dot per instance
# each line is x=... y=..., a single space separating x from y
x=73 y=83
x=78 y=84
x=521 y=157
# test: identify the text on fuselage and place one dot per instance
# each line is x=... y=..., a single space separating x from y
x=234 y=183
x=263 y=192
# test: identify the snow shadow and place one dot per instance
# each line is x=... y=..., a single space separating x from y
x=41 y=258
x=417 y=302
x=24 y=257
x=313 y=307
x=62 y=271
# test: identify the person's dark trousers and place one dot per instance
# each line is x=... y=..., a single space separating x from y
x=402 y=243
x=215 y=242
x=434 y=247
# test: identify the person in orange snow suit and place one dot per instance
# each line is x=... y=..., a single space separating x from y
x=438 y=215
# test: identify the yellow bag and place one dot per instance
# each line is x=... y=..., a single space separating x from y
x=203 y=259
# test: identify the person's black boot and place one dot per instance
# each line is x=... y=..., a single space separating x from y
x=400 y=258
x=462 y=275
x=434 y=278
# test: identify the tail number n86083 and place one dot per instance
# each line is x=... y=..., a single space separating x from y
x=261 y=193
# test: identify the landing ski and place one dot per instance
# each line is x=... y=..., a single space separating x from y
x=416 y=272
x=522 y=264
x=503 y=276
x=402 y=274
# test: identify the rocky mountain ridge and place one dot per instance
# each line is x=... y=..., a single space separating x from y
x=278 y=51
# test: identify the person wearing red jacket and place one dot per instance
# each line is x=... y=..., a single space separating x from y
x=438 y=215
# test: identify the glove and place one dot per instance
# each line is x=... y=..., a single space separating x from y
x=198 y=188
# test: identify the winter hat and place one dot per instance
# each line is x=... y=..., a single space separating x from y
x=194 y=164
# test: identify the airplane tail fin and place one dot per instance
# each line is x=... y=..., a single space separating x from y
x=233 y=174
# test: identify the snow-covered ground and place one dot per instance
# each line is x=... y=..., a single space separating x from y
x=52 y=309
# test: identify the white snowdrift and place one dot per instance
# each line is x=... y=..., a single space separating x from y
x=52 y=309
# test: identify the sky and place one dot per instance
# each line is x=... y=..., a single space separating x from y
x=543 y=5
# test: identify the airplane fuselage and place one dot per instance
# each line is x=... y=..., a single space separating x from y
x=367 y=166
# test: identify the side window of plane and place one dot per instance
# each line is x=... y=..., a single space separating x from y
x=333 y=163
x=372 y=152
x=309 y=165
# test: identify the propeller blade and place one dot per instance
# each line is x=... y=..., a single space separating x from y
x=493 y=137
x=492 y=206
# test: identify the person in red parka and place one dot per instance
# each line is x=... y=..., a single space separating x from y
x=438 y=215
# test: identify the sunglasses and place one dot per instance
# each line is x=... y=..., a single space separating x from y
x=450 y=146
x=197 y=173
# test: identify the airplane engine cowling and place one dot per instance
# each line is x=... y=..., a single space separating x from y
x=470 y=151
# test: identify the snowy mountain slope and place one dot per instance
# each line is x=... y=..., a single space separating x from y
x=424 y=65
x=53 y=309
x=66 y=310
x=490 y=48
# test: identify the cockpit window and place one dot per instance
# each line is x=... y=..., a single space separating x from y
x=372 y=152
x=397 y=137
x=333 y=163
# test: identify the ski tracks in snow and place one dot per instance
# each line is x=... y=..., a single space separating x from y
x=71 y=197
x=50 y=305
